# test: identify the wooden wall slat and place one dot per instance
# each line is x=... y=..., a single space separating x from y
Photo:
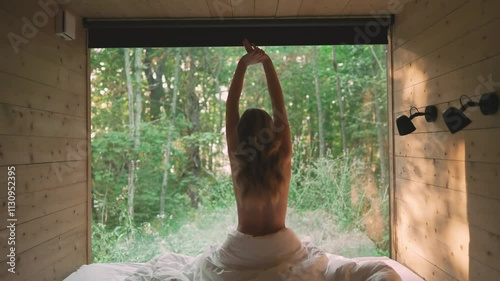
x=417 y=16
x=22 y=121
x=37 y=177
x=28 y=8
x=243 y=8
x=481 y=44
x=486 y=249
x=28 y=67
x=220 y=8
x=38 y=231
x=469 y=17
x=437 y=201
x=473 y=80
x=435 y=251
x=37 y=259
x=25 y=93
x=16 y=150
x=181 y=8
x=471 y=177
x=41 y=45
x=423 y=267
x=470 y=209
x=38 y=204
x=481 y=272
x=61 y=268
x=266 y=8
x=467 y=145
x=359 y=7
x=288 y=8
x=321 y=7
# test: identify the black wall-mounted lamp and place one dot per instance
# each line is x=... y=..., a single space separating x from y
x=455 y=118
x=404 y=124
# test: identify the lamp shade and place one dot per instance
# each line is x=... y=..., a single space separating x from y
x=404 y=124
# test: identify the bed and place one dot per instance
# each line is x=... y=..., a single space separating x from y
x=241 y=257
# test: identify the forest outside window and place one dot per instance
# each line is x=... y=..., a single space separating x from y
x=160 y=174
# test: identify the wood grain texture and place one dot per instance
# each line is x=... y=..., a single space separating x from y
x=37 y=259
x=243 y=8
x=321 y=7
x=417 y=16
x=22 y=121
x=29 y=94
x=468 y=145
x=471 y=177
x=61 y=268
x=18 y=150
x=471 y=16
x=36 y=232
x=288 y=8
x=38 y=204
x=420 y=265
x=266 y=8
x=37 y=177
x=476 y=46
x=473 y=80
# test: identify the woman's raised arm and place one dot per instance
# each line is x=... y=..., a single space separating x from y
x=233 y=99
x=281 y=125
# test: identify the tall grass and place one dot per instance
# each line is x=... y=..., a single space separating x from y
x=320 y=210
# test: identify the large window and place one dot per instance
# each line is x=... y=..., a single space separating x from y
x=160 y=174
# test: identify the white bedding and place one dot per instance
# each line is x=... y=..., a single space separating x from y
x=280 y=256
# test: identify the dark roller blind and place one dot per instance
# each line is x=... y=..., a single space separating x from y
x=111 y=33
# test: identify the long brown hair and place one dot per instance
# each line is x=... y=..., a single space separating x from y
x=259 y=171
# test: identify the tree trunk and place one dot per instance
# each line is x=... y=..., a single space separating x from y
x=154 y=73
x=138 y=99
x=193 y=115
x=340 y=100
x=318 y=103
x=131 y=167
x=380 y=133
x=166 y=161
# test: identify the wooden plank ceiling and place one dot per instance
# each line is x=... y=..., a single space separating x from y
x=226 y=8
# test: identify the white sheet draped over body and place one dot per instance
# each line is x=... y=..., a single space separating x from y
x=279 y=256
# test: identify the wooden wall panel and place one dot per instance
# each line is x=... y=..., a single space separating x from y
x=473 y=47
x=266 y=8
x=37 y=177
x=472 y=80
x=243 y=8
x=44 y=134
x=417 y=16
x=42 y=256
x=447 y=197
x=322 y=7
x=30 y=94
x=288 y=8
x=471 y=16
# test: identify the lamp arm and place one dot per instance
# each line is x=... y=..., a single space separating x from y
x=467 y=105
x=416 y=114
